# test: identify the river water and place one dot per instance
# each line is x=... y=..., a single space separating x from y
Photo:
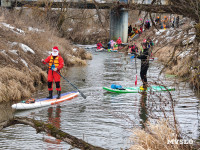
x=105 y=119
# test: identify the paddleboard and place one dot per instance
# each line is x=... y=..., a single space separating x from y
x=45 y=101
x=100 y=50
x=111 y=50
x=138 y=89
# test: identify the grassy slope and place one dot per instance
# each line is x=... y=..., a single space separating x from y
x=21 y=69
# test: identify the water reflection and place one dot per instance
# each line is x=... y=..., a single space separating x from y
x=95 y=117
x=54 y=120
x=143 y=109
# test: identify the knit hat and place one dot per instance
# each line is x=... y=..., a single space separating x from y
x=55 y=51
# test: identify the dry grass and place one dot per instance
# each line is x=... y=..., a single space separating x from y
x=155 y=137
x=15 y=84
x=22 y=71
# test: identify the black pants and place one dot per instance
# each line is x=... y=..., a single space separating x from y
x=143 y=73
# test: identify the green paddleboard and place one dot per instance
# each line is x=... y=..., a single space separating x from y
x=138 y=89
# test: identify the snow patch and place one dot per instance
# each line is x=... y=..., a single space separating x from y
x=74 y=49
x=14 y=51
x=179 y=35
x=160 y=31
x=89 y=30
x=191 y=39
x=15 y=61
x=185 y=53
x=169 y=38
x=25 y=48
x=168 y=33
x=35 y=29
x=70 y=29
x=13 y=43
x=24 y=62
x=19 y=31
x=3 y=51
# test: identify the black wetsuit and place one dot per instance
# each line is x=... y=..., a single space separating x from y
x=144 y=56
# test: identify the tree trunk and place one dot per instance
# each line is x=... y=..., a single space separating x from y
x=53 y=131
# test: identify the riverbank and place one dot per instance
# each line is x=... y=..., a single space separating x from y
x=175 y=48
x=24 y=42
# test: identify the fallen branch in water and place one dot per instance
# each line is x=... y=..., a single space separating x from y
x=53 y=131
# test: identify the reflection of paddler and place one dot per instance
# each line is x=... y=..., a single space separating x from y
x=143 y=110
x=54 y=121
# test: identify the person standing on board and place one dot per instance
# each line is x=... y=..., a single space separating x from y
x=56 y=63
x=144 y=56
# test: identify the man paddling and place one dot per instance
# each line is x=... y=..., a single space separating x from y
x=56 y=63
x=144 y=56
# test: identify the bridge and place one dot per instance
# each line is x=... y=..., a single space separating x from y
x=118 y=18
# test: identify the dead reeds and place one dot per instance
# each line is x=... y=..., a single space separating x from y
x=159 y=136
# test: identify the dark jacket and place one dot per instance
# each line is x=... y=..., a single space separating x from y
x=144 y=56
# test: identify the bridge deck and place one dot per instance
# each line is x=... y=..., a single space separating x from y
x=79 y=5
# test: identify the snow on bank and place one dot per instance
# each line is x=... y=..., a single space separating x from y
x=160 y=31
x=15 y=30
x=24 y=62
x=14 y=52
x=25 y=48
x=35 y=29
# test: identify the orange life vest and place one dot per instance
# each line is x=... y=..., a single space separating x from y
x=54 y=61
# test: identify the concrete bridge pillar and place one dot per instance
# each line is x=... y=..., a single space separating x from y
x=119 y=24
x=6 y=3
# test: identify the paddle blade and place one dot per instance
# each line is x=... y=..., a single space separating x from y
x=136 y=80
x=82 y=95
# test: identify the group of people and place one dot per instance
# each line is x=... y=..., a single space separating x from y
x=55 y=63
x=132 y=31
x=167 y=22
x=112 y=45
x=144 y=53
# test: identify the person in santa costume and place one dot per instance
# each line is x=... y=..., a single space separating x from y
x=56 y=63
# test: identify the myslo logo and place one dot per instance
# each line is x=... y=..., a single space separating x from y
x=180 y=141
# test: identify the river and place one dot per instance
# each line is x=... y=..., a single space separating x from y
x=105 y=119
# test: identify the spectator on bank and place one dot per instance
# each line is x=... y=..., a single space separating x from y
x=130 y=30
x=177 y=21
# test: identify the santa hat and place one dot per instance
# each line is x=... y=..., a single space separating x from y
x=55 y=51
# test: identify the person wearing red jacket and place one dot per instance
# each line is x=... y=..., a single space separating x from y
x=119 y=42
x=99 y=45
x=56 y=63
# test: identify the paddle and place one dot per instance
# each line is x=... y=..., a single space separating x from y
x=136 y=71
x=70 y=83
x=135 y=68
x=73 y=86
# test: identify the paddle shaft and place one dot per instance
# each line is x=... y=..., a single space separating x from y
x=136 y=70
x=73 y=85
x=70 y=83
